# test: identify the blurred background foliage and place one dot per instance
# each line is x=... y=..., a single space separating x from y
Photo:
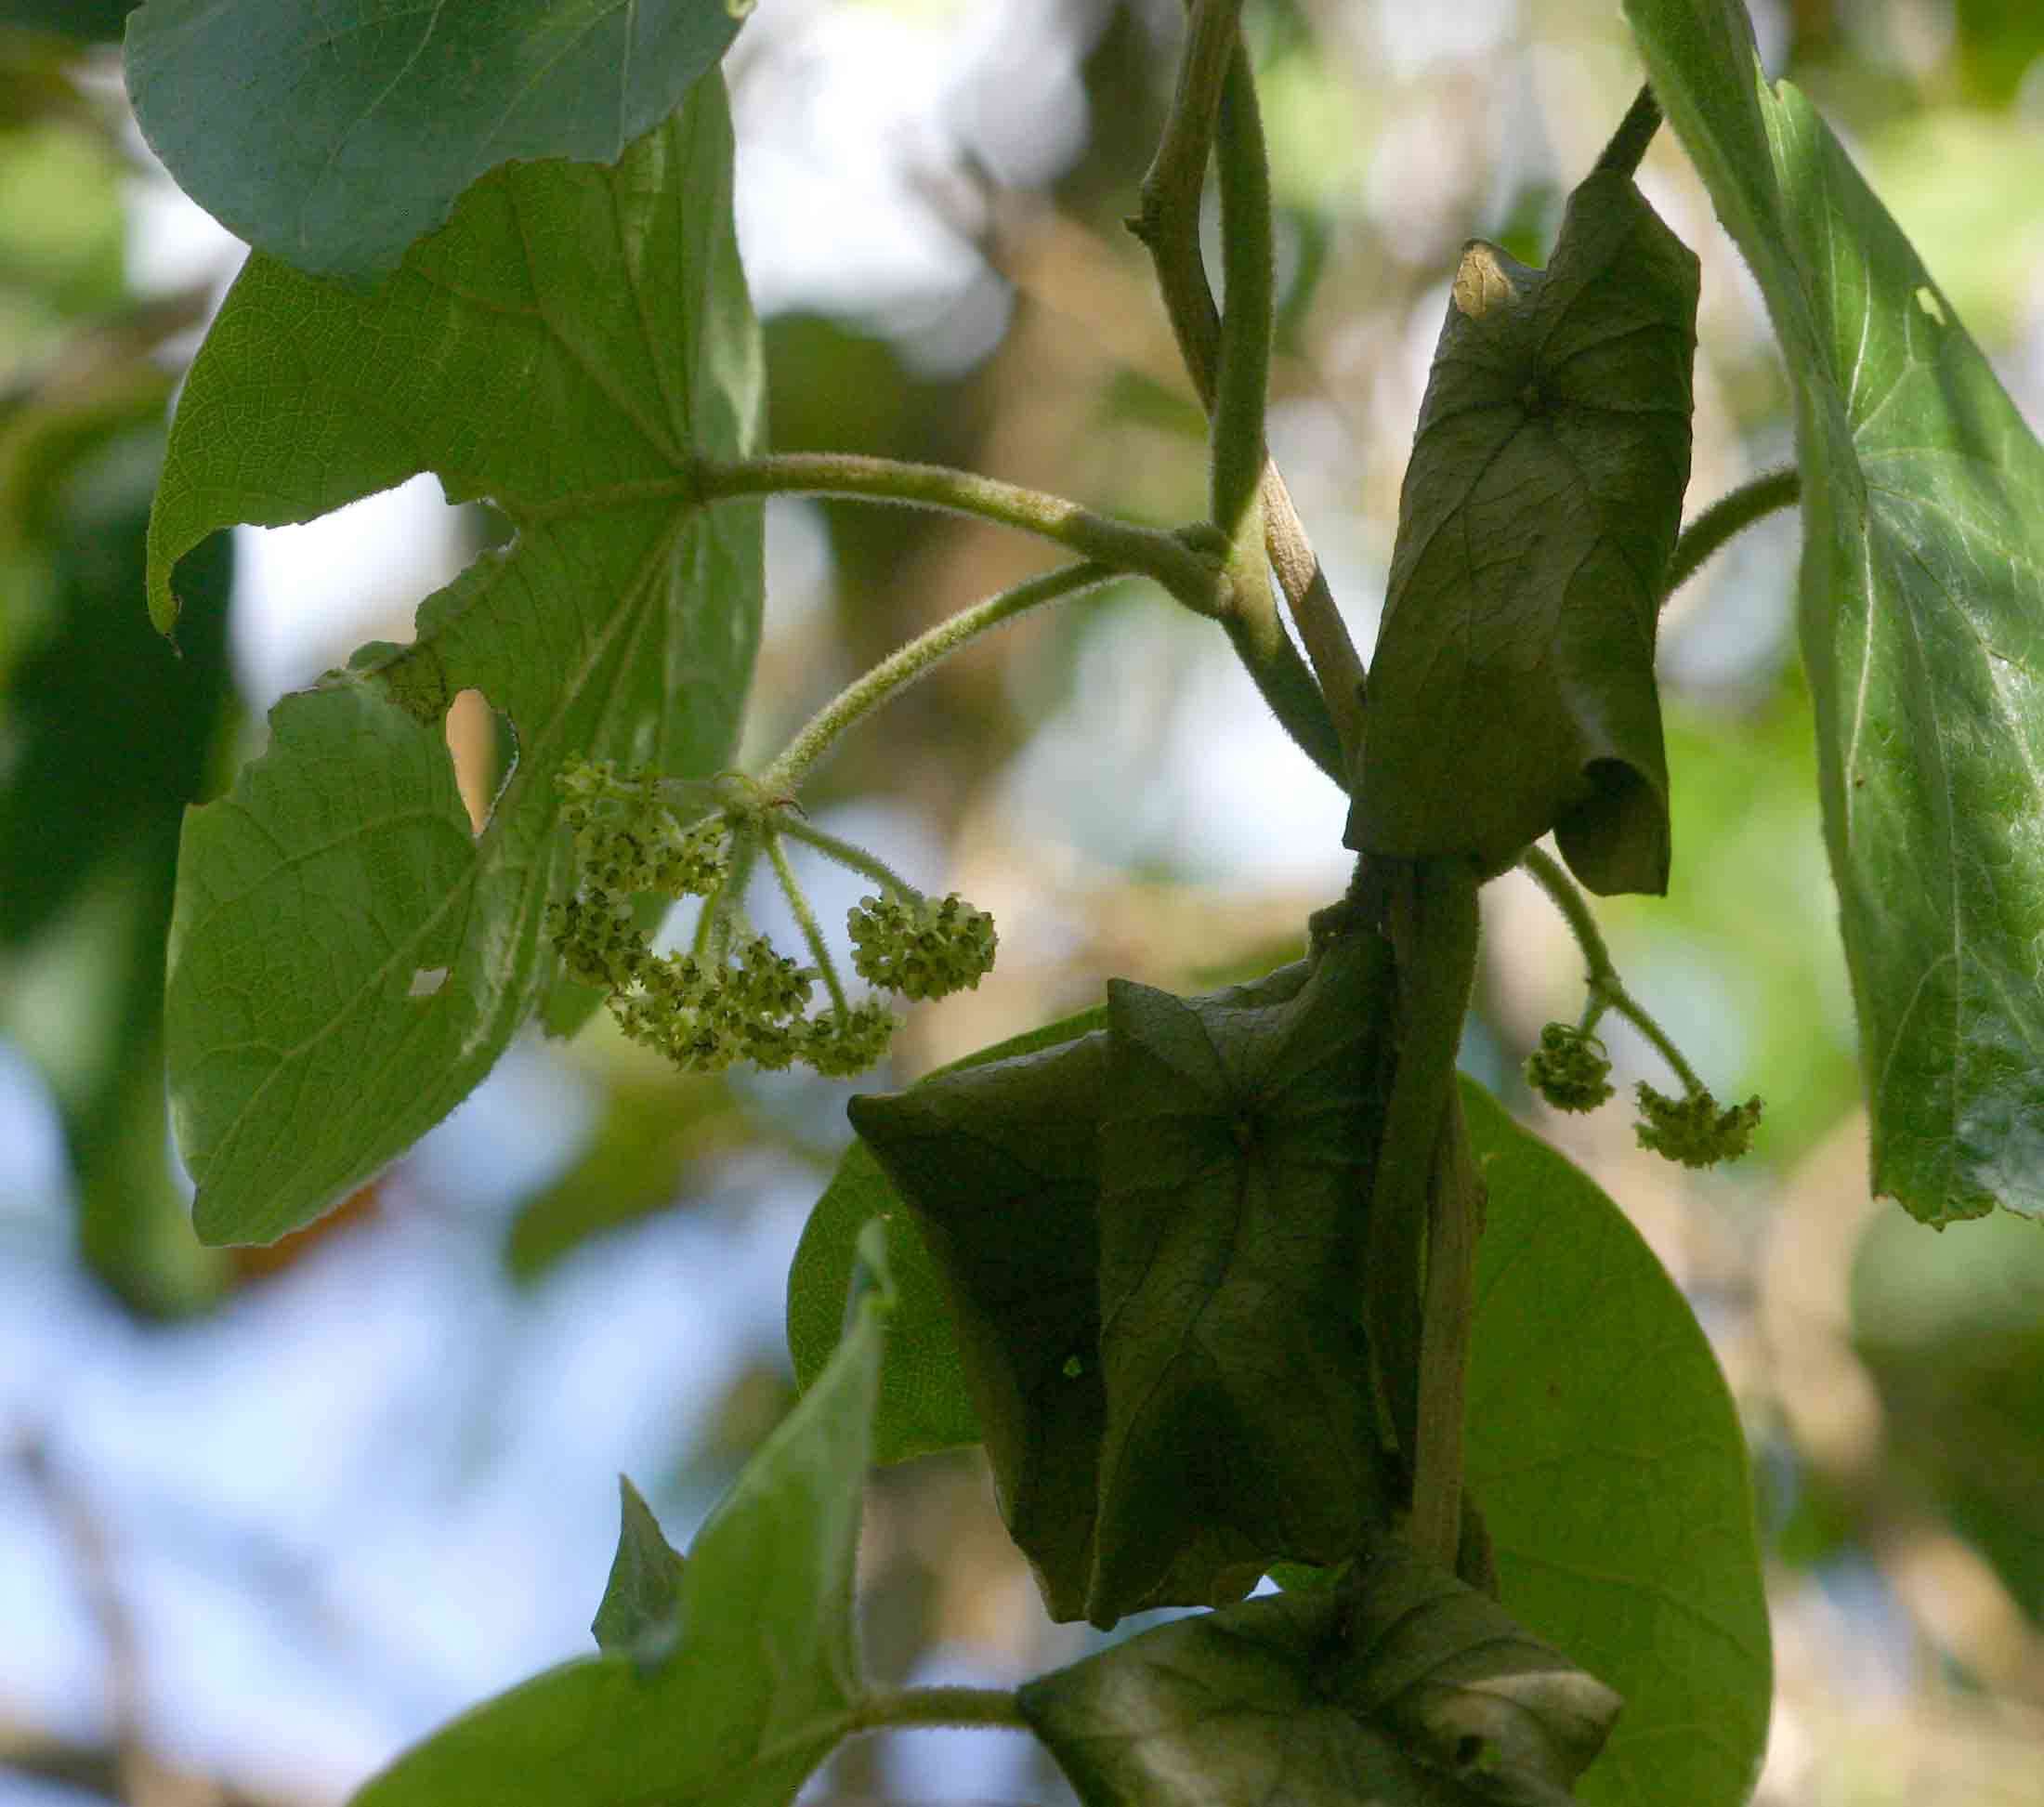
x=266 y=1515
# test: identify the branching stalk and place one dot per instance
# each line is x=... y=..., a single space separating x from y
x=854 y=858
x=1195 y=578
x=1606 y=989
x=896 y=672
x=805 y=921
x=1728 y=516
x=1241 y=380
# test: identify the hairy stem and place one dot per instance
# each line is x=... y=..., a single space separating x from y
x=881 y=1708
x=1728 y=516
x=1607 y=990
x=1635 y=132
x=854 y=858
x=1433 y=927
x=805 y=921
x=896 y=672
x=1195 y=578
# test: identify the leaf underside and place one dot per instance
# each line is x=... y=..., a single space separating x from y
x=1401 y=1687
x=331 y=134
x=1513 y=690
x=1143 y=1236
x=1923 y=627
x=347 y=959
x=1573 y=1457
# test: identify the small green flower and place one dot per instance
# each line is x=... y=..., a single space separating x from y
x=839 y=1046
x=1692 y=1130
x=921 y=948
x=1570 y=1068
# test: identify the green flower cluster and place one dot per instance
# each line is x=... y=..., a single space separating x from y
x=733 y=997
x=920 y=947
x=1570 y=1068
x=1692 y=1130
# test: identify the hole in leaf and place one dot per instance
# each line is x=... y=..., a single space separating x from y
x=484 y=749
x=426 y=981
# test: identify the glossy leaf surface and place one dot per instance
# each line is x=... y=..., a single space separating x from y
x=1922 y=626
x=1513 y=689
x=347 y=960
x=1402 y=1687
x=332 y=136
x=765 y=1672
x=1610 y=1464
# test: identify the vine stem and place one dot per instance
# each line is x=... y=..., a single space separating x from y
x=1200 y=125
x=900 y=669
x=1607 y=990
x=882 y=1708
x=1730 y=515
x=1421 y=1341
x=1195 y=578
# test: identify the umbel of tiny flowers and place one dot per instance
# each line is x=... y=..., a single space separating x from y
x=1570 y=1068
x=733 y=996
x=1692 y=1130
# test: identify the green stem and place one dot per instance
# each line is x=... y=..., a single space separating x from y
x=1284 y=681
x=1455 y=1205
x=1434 y=925
x=854 y=858
x=1727 y=516
x=805 y=920
x=1607 y=990
x=785 y=775
x=1169 y=226
x=1242 y=381
x=881 y=1708
x=1635 y=132
x=1195 y=579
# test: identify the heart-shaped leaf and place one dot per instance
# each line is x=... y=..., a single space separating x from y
x=1238 y=1140
x=1401 y=1687
x=763 y=1678
x=347 y=960
x=1512 y=687
x=1922 y=624
x=333 y=132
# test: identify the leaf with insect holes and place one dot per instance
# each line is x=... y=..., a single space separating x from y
x=348 y=959
x=1512 y=687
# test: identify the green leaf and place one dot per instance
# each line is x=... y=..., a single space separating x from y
x=924 y=1404
x=1238 y=1138
x=1922 y=624
x=999 y=1166
x=1400 y=1686
x=765 y=1678
x=90 y=20
x=1513 y=690
x=1611 y=1465
x=637 y=1616
x=333 y=136
x=347 y=960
